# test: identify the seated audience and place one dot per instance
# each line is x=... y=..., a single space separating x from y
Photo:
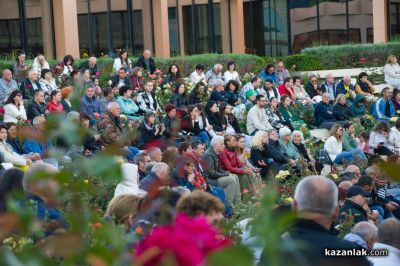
x=285 y=139
x=395 y=99
x=147 y=99
x=91 y=105
x=275 y=117
x=286 y=109
x=216 y=176
x=346 y=88
x=251 y=86
x=121 y=79
x=218 y=94
x=393 y=142
x=349 y=142
x=37 y=106
x=137 y=80
x=341 y=108
x=66 y=95
x=198 y=94
x=383 y=109
x=54 y=105
x=91 y=65
x=128 y=106
x=259 y=153
x=358 y=106
x=364 y=86
x=179 y=97
x=10 y=156
x=301 y=93
x=14 y=110
x=257 y=117
x=231 y=73
x=334 y=147
x=378 y=139
x=149 y=133
x=324 y=113
x=228 y=120
x=40 y=63
x=213 y=116
x=287 y=89
x=122 y=61
x=172 y=124
x=7 y=85
x=281 y=73
x=20 y=67
x=156 y=180
x=10 y=187
x=232 y=94
x=197 y=75
x=47 y=82
x=355 y=206
x=146 y=62
x=364 y=235
x=392 y=71
x=173 y=74
x=278 y=152
x=305 y=154
x=271 y=91
x=66 y=67
x=195 y=124
x=214 y=75
x=313 y=89
x=330 y=87
x=30 y=85
x=269 y=74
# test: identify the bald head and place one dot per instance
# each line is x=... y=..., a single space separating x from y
x=367 y=231
x=345 y=185
x=7 y=75
x=316 y=194
x=373 y=171
x=389 y=232
x=353 y=168
x=146 y=54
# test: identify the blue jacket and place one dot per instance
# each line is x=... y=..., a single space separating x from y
x=219 y=96
x=90 y=106
x=34 y=146
x=341 y=90
x=321 y=113
x=378 y=110
x=264 y=75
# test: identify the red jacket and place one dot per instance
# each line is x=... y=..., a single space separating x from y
x=284 y=91
x=230 y=162
x=55 y=108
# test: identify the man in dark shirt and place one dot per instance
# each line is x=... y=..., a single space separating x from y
x=146 y=62
x=309 y=240
x=37 y=106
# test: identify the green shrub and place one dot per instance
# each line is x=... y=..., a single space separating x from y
x=302 y=62
x=353 y=55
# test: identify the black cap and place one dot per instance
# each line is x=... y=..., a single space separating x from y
x=356 y=190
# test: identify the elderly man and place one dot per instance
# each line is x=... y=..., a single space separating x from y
x=43 y=192
x=355 y=207
x=146 y=62
x=329 y=86
x=312 y=88
x=354 y=169
x=281 y=72
x=257 y=117
x=109 y=125
x=38 y=142
x=384 y=109
x=29 y=85
x=218 y=94
x=155 y=154
x=388 y=239
x=345 y=87
x=324 y=114
x=217 y=177
x=91 y=105
x=142 y=160
x=7 y=85
x=36 y=107
x=364 y=235
x=316 y=205
x=91 y=65
x=147 y=99
x=158 y=178
x=214 y=74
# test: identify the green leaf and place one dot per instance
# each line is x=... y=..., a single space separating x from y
x=232 y=256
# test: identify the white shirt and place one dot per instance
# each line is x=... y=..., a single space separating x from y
x=11 y=113
x=257 y=119
x=195 y=77
x=393 y=258
x=117 y=64
x=231 y=76
x=333 y=147
x=392 y=74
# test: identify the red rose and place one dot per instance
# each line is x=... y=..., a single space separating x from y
x=29 y=86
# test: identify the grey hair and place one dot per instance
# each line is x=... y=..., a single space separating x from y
x=346 y=77
x=365 y=230
x=160 y=167
x=316 y=194
x=389 y=232
x=73 y=116
x=33 y=170
x=37 y=119
x=111 y=105
x=218 y=82
x=298 y=132
x=217 y=66
x=372 y=170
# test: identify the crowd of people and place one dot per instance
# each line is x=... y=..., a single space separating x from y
x=199 y=146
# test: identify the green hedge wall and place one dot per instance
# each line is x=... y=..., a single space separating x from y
x=353 y=55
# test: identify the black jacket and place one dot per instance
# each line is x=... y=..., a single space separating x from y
x=212 y=167
x=27 y=89
x=277 y=152
x=34 y=109
x=179 y=100
x=214 y=120
x=145 y=135
x=342 y=112
x=115 y=81
x=356 y=211
x=172 y=127
x=308 y=241
x=260 y=155
x=234 y=123
x=152 y=66
x=16 y=145
x=66 y=106
x=310 y=90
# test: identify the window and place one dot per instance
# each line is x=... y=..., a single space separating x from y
x=173 y=31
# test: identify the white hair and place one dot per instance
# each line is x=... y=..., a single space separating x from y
x=31 y=174
x=316 y=194
x=216 y=66
x=389 y=232
x=159 y=168
x=37 y=119
x=365 y=230
x=346 y=77
x=298 y=132
x=111 y=105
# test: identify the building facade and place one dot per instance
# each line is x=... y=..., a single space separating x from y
x=186 y=27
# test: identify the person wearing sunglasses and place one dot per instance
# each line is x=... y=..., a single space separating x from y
x=313 y=89
x=14 y=110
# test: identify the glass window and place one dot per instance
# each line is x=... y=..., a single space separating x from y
x=394 y=19
x=10 y=34
x=34 y=26
x=173 y=31
x=197 y=29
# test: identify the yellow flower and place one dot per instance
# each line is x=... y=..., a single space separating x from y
x=86 y=181
x=334 y=176
x=289 y=200
x=398 y=111
x=121 y=161
x=393 y=119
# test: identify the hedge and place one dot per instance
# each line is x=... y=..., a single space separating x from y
x=353 y=55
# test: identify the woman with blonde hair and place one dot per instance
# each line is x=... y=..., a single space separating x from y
x=259 y=154
x=334 y=147
x=341 y=109
x=123 y=209
x=392 y=71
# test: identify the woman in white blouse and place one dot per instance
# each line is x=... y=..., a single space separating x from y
x=9 y=155
x=392 y=71
x=47 y=82
x=231 y=73
x=122 y=61
x=14 y=108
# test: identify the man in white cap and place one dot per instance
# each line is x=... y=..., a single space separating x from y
x=217 y=177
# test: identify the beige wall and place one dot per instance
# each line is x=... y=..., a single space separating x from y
x=66 y=28
x=380 y=21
